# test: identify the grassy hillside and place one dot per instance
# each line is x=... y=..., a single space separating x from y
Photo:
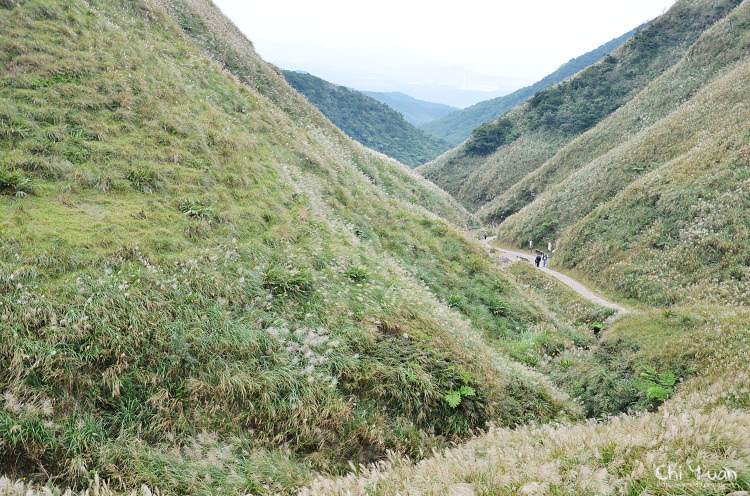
x=704 y=425
x=457 y=126
x=414 y=111
x=206 y=286
x=653 y=203
x=525 y=138
x=368 y=121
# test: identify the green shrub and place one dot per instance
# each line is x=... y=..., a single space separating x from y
x=490 y=136
x=197 y=209
x=497 y=307
x=476 y=264
x=602 y=379
x=286 y=280
x=657 y=386
x=12 y=182
x=356 y=274
x=454 y=300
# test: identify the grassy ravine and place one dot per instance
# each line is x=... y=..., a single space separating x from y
x=555 y=117
x=705 y=423
x=653 y=204
x=205 y=286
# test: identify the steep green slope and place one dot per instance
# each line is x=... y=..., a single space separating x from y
x=457 y=126
x=654 y=202
x=368 y=121
x=205 y=286
x=556 y=116
x=414 y=111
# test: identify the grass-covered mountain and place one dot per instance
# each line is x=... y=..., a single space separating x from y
x=205 y=286
x=368 y=121
x=653 y=205
x=501 y=153
x=653 y=202
x=456 y=127
x=414 y=111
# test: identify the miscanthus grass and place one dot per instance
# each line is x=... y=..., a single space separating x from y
x=653 y=202
x=706 y=424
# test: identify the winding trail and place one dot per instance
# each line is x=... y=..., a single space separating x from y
x=568 y=281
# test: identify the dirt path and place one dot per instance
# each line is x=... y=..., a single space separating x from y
x=568 y=281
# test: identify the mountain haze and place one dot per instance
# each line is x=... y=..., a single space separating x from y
x=415 y=111
x=457 y=126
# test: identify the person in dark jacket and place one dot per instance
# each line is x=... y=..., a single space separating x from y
x=538 y=259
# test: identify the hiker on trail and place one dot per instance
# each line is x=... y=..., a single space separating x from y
x=531 y=244
x=538 y=259
x=544 y=260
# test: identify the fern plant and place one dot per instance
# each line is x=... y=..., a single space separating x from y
x=657 y=386
x=453 y=397
x=196 y=209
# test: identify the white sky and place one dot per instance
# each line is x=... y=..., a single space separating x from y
x=522 y=35
x=519 y=39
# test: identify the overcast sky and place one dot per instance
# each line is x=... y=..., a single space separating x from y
x=521 y=40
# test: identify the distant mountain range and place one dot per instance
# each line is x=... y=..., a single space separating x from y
x=374 y=124
x=457 y=126
x=414 y=111
x=390 y=70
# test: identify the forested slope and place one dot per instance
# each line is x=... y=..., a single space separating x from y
x=374 y=124
x=457 y=126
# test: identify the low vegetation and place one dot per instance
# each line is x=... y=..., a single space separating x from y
x=702 y=425
x=209 y=287
x=206 y=287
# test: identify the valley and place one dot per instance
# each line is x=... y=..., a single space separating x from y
x=207 y=287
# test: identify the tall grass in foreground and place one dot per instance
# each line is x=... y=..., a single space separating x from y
x=706 y=423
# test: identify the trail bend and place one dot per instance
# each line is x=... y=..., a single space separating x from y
x=568 y=281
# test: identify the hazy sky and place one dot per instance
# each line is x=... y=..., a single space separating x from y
x=522 y=40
